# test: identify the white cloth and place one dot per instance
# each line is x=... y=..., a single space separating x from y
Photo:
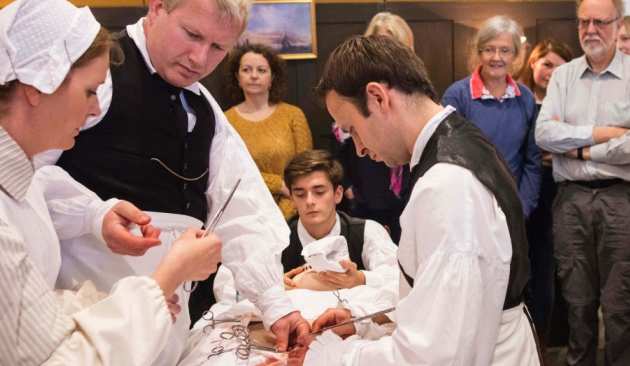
x=40 y=40
x=326 y=253
x=252 y=228
x=127 y=328
x=80 y=257
x=455 y=241
x=379 y=253
x=379 y=258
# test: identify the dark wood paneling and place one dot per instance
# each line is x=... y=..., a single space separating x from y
x=433 y=42
x=561 y=29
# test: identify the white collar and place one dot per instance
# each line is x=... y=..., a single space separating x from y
x=136 y=33
x=306 y=238
x=426 y=133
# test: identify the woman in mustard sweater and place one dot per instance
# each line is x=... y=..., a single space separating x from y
x=273 y=131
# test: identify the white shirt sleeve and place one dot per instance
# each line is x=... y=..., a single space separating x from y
x=456 y=238
x=252 y=228
x=615 y=151
x=552 y=132
x=129 y=327
x=379 y=257
x=74 y=209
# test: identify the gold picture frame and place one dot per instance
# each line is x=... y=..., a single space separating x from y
x=287 y=26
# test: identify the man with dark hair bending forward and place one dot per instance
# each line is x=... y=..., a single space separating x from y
x=463 y=251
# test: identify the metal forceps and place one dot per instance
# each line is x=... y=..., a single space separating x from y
x=213 y=224
x=208 y=315
x=340 y=301
x=238 y=333
x=243 y=350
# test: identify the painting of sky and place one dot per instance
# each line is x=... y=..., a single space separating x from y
x=286 y=27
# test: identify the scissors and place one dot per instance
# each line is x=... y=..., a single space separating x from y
x=354 y=320
x=213 y=225
x=217 y=216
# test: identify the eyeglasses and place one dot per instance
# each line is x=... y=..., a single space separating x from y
x=597 y=23
x=491 y=51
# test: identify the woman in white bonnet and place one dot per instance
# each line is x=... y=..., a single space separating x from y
x=53 y=56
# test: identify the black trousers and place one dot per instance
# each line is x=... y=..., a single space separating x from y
x=539 y=235
x=591 y=233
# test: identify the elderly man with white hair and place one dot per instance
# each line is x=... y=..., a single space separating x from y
x=584 y=123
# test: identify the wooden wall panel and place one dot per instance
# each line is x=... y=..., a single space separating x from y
x=563 y=29
x=433 y=42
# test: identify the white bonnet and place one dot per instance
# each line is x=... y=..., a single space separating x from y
x=41 y=39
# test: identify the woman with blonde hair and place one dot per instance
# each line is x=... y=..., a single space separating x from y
x=504 y=110
x=391 y=25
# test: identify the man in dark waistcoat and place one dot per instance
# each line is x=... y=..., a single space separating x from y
x=462 y=251
x=314 y=180
x=163 y=143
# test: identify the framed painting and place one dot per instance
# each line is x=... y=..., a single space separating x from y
x=287 y=26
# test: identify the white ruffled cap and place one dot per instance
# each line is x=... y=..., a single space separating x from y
x=41 y=39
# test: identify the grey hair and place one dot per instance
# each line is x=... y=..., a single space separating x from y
x=237 y=11
x=492 y=28
x=393 y=25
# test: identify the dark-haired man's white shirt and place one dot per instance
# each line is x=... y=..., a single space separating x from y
x=455 y=241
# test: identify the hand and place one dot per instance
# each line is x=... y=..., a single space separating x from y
x=333 y=317
x=288 y=277
x=348 y=279
x=173 y=306
x=116 y=233
x=192 y=258
x=289 y=329
x=604 y=134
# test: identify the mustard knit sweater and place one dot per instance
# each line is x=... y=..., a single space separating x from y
x=273 y=142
